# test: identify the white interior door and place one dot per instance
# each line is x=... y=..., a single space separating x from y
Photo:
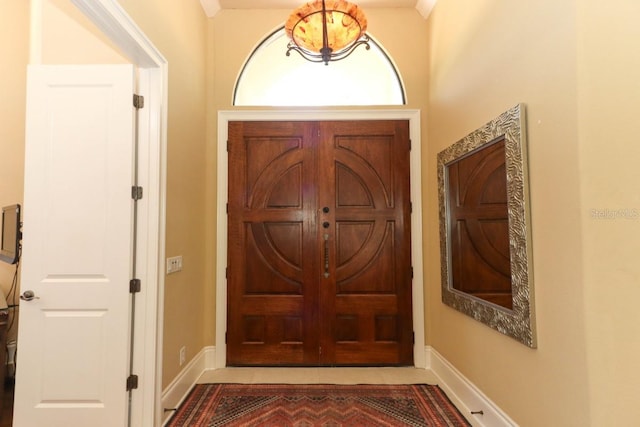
x=73 y=338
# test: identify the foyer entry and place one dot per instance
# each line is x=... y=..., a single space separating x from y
x=319 y=263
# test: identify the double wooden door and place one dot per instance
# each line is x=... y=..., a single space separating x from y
x=319 y=263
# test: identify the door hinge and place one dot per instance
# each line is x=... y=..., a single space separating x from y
x=138 y=101
x=136 y=193
x=132 y=382
x=413 y=337
x=410 y=207
x=226 y=273
x=135 y=285
x=412 y=272
x=227 y=207
x=226 y=335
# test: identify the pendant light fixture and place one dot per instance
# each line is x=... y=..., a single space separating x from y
x=326 y=30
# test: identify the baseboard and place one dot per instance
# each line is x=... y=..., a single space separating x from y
x=465 y=395
x=177 y=391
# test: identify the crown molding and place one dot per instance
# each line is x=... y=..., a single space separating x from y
x=211 y=7
x=424 y=7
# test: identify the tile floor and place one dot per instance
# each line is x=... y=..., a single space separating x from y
x=319 y=376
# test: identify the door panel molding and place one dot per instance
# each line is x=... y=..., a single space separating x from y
x=379 y=280
x=78 y=249
x=413 y=116
x=113 y=21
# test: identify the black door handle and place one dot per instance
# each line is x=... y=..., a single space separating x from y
x=326 y=256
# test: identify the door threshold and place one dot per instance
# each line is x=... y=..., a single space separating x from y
x=319 y=375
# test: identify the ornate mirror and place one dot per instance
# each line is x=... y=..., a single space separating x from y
x=485 y=229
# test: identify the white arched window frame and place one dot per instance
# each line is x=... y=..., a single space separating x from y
x=270 y=78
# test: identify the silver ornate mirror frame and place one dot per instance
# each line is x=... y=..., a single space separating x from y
x=518 y=322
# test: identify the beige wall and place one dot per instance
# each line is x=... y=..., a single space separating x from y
x=608 y=60
x=14 y=51
x=178 y=30
x=63 y=35
x=234 y=34
x=574 y=65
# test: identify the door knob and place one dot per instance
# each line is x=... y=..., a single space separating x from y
x=325 y=224
x=28 y=296
x=325 y=209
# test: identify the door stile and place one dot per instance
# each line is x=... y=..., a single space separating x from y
x=312 y=219
x=403 y=240
x=326 y=243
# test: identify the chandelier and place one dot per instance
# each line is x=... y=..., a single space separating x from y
x=326 y=30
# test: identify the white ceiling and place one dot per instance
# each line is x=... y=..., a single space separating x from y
x=212 y=7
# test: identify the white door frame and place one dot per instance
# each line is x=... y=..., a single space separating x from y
x=115 y=23
x=413 y=116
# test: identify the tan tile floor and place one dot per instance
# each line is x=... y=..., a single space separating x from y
x=319 y=376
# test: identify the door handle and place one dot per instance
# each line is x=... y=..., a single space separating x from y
x=28 y=296
x=326 y=256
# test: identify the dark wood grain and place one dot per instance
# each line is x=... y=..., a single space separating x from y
x=479 y=224
x=290 y=185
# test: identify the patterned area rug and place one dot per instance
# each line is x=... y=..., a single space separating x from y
x=284 y=405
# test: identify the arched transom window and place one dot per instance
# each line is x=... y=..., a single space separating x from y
x=270 y=78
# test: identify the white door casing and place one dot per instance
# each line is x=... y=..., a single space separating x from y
x=413 y=116
x=113 y=21
x=77 y=247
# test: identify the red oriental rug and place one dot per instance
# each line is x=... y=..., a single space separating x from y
x=284 y=405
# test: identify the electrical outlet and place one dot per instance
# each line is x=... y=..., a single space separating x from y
x=183 y=355
x=174 y=264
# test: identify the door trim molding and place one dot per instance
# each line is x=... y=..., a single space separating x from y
x=114 y=22
x=413 y=116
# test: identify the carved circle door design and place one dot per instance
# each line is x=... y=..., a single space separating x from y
x=319 y=244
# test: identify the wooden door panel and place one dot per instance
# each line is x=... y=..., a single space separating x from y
x=351 y=191
x=372 y=158
x=367 y=330
x=270 y=287
x=273 y=259
x=371 y=268
x=368 y=301
x=319 y=244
